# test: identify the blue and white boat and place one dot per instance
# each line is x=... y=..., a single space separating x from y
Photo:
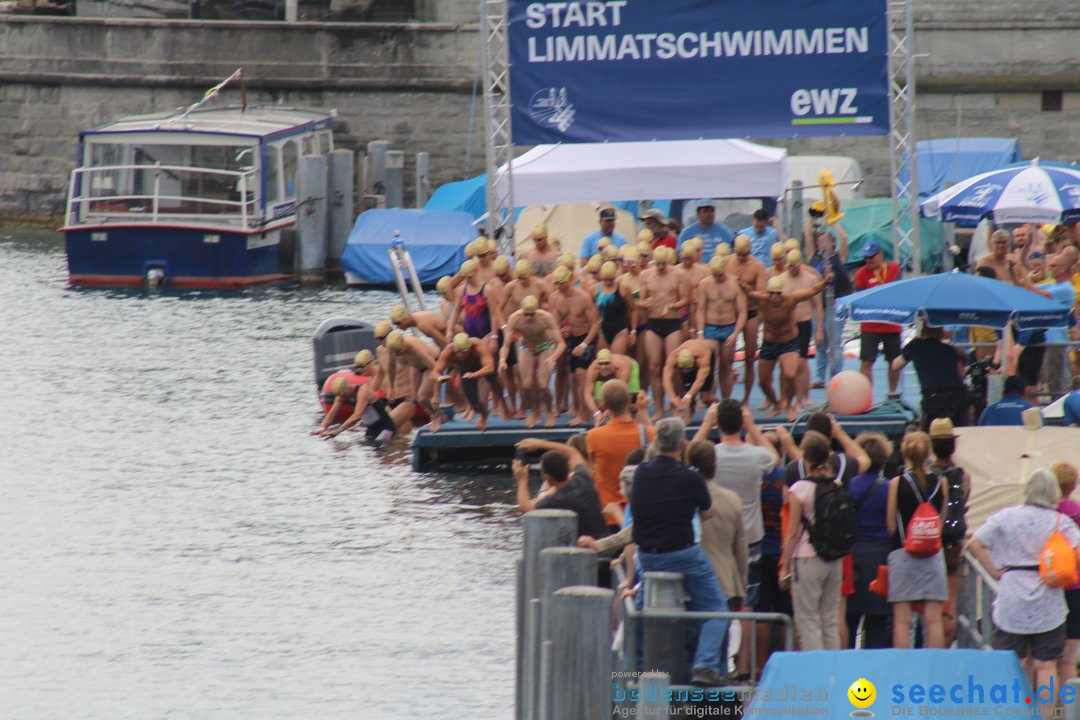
x=200 y=198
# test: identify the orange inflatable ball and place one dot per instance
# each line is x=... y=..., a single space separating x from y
x=849 y=393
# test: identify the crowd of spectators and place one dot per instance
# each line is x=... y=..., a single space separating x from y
x=739 y=520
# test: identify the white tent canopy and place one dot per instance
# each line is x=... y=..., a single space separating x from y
x=668 y=170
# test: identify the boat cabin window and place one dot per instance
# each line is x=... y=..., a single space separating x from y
x=272 y=177
x=188 y=179
x=324 y=143
x=289 y=159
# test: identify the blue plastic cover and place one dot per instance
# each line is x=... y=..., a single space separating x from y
x=901 y=683
x=466 y=196
x=435 y=240
x=942 y=162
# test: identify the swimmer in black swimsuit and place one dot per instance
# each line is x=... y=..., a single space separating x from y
x=664 y=294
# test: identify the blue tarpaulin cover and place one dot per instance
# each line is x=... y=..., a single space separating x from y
x=905 y=682
x=942 y=162
x=466 y=195
x=435 y=240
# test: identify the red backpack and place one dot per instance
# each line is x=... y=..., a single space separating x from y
x=923 y=534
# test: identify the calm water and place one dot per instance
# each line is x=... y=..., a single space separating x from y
x=175 y=545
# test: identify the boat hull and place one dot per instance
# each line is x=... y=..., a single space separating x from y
x=187 y=256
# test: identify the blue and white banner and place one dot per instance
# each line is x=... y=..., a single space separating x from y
x=626 y=70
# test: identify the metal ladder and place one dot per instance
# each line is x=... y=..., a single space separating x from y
x=401 y=263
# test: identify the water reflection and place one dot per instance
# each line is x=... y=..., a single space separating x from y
x=177 y=545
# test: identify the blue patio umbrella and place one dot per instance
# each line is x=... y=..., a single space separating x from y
x=1021 y=193
x=953 y=299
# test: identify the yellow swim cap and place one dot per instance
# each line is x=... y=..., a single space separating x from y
x=603 y=356
x=594 y=264
x=722 y=250
x=610 y=252
x=523 y=269
x=530 y=304
x=603 y=242
x=395 y=340
x=718 y=264
x=777 y=251
x=340 y=386
x=501 y=265
x=472 y=249
x=794 y=257
x=461 y=342
x=775 y=284
x=685 y=359
x=539 y=231
x=688 y=249
x=645 y=236
x=443 y=286
x=382 y=330
x=644 y=249
x=363 y=359
x=468 y=268
x=562 y=275
x=742 y=244
x=695 y=242
x=630 y=253
x=567 y=260
x=791 y=244
x=398 y=313
x=608 y=270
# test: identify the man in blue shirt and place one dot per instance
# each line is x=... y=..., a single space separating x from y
x=1072 y=409
x=711 y=232
x=762 y=235
x=607 y=229
x=665 y=497
x=1007 y=410
x=1056 y=368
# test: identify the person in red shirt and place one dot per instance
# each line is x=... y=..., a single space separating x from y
x=876 y=272
x=654 y=222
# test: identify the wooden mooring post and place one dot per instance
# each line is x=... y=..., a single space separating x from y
x=542 y=529
x=665 y=640
x=581 y=660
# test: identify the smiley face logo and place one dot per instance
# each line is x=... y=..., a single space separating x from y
x=862 y=694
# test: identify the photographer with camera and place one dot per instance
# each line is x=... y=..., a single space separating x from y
x=940 y=367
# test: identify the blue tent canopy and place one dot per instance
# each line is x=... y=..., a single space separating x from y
x=953 y=299
x=435 y=240
x=942 y=162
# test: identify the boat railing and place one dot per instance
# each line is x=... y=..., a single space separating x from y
x=93 y=195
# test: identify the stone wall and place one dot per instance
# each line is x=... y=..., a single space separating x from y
x=409 y=84
x=983 y=69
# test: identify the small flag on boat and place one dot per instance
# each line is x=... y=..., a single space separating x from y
x=213 y=92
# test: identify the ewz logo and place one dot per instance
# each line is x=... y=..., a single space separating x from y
x=826 y=106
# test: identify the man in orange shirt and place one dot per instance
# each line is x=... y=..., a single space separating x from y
x=609 y=444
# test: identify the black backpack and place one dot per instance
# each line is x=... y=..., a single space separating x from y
x=833 y=531
x=953 y=522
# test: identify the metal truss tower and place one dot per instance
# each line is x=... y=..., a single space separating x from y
x=904 y=191
x=498 y=141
